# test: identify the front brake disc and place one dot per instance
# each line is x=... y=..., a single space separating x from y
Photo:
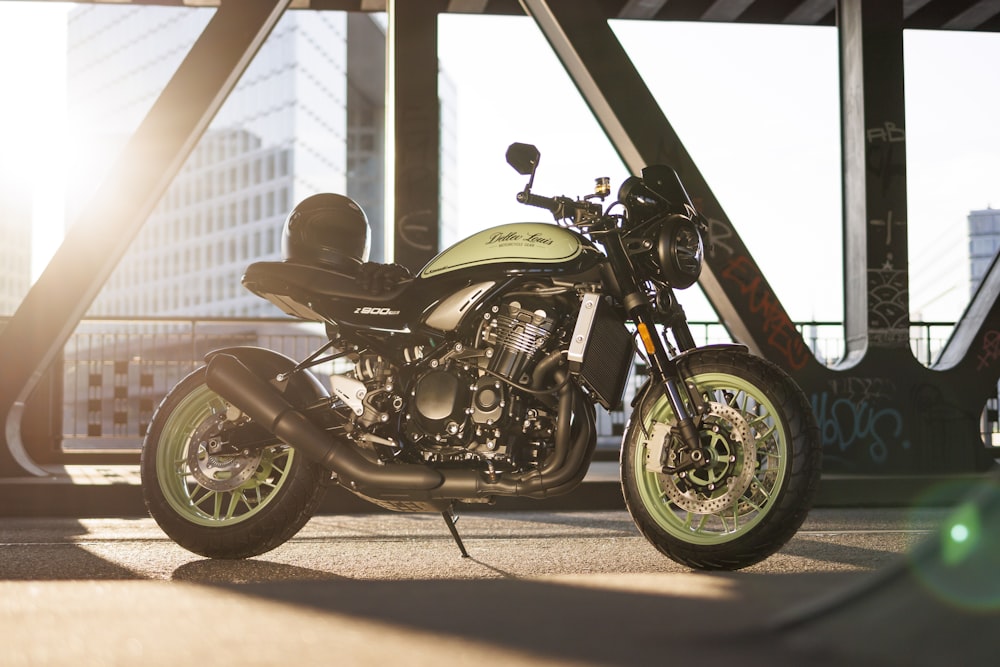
x=726 y=436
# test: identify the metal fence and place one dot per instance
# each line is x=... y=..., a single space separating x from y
x=115 y=372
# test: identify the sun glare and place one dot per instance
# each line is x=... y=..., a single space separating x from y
x=33 y=116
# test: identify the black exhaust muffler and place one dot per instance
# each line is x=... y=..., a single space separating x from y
x=262 y=402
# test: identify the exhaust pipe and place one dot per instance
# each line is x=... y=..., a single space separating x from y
x=574 y=450
x=233 y=381
x=563 y=472
x=254 y=396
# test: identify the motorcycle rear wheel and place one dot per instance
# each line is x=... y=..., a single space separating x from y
x=764 y=464
x=229 y=506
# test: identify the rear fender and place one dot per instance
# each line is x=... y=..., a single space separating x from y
x=300 y=389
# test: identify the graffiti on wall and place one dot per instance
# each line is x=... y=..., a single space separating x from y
x=782 y=336
x=739 y=270
x=989 y=351
x=888 y=305
x=888 y=275
x=858 y=413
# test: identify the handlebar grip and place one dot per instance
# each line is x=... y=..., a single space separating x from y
x=548 y=203
x=560 y=207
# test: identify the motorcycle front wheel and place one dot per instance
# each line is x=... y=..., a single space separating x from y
x=221 y=505
x=761 y=470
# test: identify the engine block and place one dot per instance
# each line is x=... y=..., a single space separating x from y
x=462 y=403
x=518 y=334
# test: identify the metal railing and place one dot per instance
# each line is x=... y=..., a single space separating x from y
x=115 y=372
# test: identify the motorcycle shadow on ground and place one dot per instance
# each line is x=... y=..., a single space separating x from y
x=20 y=561
x=600 y=619
x=250 y=571
x=939 y=605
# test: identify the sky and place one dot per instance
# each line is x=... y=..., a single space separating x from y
x=756 y=106
x=33 y=113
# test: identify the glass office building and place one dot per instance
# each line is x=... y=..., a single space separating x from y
x=306 y=117
x=15 y=245
x=984 y=242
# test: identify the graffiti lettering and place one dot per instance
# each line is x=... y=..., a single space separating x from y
x=885 y=161
x=990 y=350
x=417 y=230
x=888 y=223
x=844 y=423
x=863 y=389
x=889 y=301
x=781 y=332
x=888 y=133
x=719 y=234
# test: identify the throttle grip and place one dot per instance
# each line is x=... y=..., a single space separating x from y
x=548 y=203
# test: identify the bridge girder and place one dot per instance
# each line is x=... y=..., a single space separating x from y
x=880 y=412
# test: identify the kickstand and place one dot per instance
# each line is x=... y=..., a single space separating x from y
x=449 y=519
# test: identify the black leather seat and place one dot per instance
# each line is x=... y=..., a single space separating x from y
x=308 y=282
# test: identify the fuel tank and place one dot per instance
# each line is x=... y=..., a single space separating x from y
x=520 y=247
x=451 y=286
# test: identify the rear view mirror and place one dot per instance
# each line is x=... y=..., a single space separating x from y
x=523 y=157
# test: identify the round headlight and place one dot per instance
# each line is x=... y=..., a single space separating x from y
x=680 y=251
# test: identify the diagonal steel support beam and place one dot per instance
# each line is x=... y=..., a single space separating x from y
x=37 y=332
x=579 y=34
x=974 y=346
x=880 y=413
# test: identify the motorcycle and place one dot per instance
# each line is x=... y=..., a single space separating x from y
x=478 y=378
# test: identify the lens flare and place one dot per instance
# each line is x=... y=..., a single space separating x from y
x=960 y=534
x=958 y=564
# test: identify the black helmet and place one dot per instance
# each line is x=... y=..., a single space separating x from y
x=326 y=229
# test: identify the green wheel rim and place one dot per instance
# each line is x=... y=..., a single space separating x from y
x=195 y=502
x=770 y=437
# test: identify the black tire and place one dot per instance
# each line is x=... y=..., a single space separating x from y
x=728 y=515
x=221 y=506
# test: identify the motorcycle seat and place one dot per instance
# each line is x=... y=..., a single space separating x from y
x=307 y=283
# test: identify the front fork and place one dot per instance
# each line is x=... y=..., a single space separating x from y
x=665 y=371
x=662 y=368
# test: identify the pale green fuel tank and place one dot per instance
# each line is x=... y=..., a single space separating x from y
x=516 y=243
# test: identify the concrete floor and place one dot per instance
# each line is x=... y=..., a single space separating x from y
x=541 y=588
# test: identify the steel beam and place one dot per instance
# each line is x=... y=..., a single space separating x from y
x=641 y=9
x=726 y=10
x=811 y=12
x=636 y=126
x=38 y=330
x=413 y=110
x=975 y=17
x=876 y=266
x=973 y=350
x=879 y=413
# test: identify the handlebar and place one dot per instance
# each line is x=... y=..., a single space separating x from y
x=560 y=207
x=538 y=201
